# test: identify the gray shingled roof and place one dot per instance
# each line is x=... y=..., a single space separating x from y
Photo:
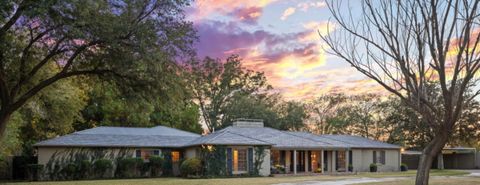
x=159 y=136
x=264 y=135
x=359 y=142
x=224 y=137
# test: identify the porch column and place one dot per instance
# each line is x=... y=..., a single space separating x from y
x=322 y=162
x=347 y=159
x=294 y=161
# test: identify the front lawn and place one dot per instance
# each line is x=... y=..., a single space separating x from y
x=434 y=181
x=242 y=181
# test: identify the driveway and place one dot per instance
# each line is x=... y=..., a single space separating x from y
x=346 y=181
x=473 y=173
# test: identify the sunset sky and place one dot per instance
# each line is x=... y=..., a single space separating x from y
x=280 y=38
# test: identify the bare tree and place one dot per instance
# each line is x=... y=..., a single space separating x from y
x=404 y=45
x=323 y=109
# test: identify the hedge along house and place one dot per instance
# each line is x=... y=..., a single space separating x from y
x=246 y=147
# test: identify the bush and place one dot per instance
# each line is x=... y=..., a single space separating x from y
x=101 y=167
x=34 y=171
x=373 y=167
x=350 y=167
x=403 y=167
x=69 y=170
x=130 y=167
x=191 y=167
x=84 y=169
x=156 y=163
x=277 y=169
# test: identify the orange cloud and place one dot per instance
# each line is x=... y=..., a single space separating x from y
x=289 y=11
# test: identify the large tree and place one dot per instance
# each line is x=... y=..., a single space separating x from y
x=405 y=45
x=127 y=41
x=325 y=114
x=215 y=83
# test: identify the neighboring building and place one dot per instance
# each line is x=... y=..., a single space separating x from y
x=453 y=158
x=294 y=151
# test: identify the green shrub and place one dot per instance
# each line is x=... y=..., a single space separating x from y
x=373 y=167
x=156 y=163
x=130 y=167
x=69 y=170
x=167 y=166
x=84 y=169
x=102 y=166
x=34 y=171
x=403 y=167
x=191 y=167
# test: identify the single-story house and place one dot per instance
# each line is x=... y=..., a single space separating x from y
x=295 y=152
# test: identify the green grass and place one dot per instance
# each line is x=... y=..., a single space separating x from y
x=250 y=181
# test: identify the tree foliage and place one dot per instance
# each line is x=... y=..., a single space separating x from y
x=129 y=42
x=215 y=83
x=271 y=108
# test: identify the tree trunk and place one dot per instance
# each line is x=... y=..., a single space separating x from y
x=4 y=117
x=426 y=159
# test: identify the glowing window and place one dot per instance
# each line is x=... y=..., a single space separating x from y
x=240 y=160
x=175 y=156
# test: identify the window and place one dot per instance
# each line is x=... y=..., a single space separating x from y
x=382 y=157
x=379 y=157
x=146 y=153
x=341 y=160
x=240 y=160
x=175 y=156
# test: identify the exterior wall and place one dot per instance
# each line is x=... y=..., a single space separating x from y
x=191 y=153
x=265 y=166
x=357 y=160
x=362 y=158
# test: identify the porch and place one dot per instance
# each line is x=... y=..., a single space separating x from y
x=310 y=161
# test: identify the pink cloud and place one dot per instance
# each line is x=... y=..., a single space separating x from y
x=205 y=8
x=248 y=15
